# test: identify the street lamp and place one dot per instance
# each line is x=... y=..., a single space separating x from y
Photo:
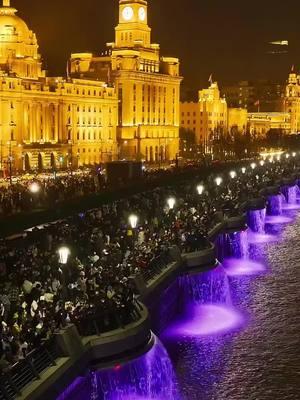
x=133 y=220
x=262 y=163
x=232 y=174
x=253 y=165
x=171 y=202
x=287 y=156
x=218 y=181
x=63 y=253
x=200 y=189
x=294 y=154
x=243 y=170
x=34 y=187
x=278 y=158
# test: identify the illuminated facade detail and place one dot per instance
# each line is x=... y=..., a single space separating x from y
x=292 y=100
x=49 y=123
x=237 y=119
x=210 y=118
x=206 y=118
x=147 y=85
x=260 y=123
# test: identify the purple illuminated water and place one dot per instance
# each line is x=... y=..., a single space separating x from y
x=202 y=320
x=274 y=206
x=146 y=378
x=206 y=287
x=256 y=220
x=289 y=198
x=237 y=245
x=278 y=219
x=240 y=267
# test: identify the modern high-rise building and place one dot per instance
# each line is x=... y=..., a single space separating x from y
x=147 y=85
x=48 y=123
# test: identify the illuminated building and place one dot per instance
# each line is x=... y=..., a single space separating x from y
x=48 y=123
x=148 y=86
x=292 y=100
x=237 y=120
x=260 y=123
x=210 y=117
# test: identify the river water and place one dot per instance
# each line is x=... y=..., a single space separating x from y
x=258 y=358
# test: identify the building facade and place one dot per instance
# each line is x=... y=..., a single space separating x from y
x=147 y=85
x=209 y=118
x=292 y=100
x=260 y=123
x=49 y=123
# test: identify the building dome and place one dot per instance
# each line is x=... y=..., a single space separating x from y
x=12 y=27
x=18 y=44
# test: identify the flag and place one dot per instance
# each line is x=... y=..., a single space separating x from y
x=257 y=103
x=210 y=80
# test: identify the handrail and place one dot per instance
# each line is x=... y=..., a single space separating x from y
x=23 y=372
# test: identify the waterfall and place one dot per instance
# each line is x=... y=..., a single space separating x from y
x=149 y=377
x=275 y=204
x=206 y=287
x=237 y=244
x=146 y=378
x=256 y=220
x=292 y=195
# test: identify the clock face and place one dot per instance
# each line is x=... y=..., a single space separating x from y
x=127 y=13
x=142 y=14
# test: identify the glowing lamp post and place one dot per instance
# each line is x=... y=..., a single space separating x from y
x=243 y=170
x=171 y=202
x=218 y=181
x=253 y=165
x=34 y=187
x=232 y=174
x=294 y=154
x=200 y=189
x=63 y=253
x=287 y=156
x=133 y=220
x=278 y=158
x=262 y=163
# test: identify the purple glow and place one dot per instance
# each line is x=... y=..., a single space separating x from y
x=135 y=397
x=278 y=219
x=275 y=204
x=257 y=238
x=146 y=378
x=291 y=206
x=238 y=267
x=237 y=245
x=206 y=287
x=149 y=377
x=206 y=319
x=256 y=220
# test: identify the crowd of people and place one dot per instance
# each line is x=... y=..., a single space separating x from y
x=83 y=269
x=44 y=192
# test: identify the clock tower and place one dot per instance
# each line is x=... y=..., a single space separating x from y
x=133 y=29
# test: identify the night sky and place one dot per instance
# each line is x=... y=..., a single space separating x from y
x=226 y=38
